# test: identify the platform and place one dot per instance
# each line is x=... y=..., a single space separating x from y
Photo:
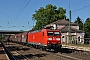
x=3 y=55
x=76 y=47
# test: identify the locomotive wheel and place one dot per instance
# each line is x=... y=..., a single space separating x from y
x=36 y=46
x=43 y=48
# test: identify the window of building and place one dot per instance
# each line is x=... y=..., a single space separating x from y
x=79 y=39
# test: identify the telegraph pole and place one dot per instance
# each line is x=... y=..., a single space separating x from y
x=70 y=27
x=69 y=24
x=83 y=31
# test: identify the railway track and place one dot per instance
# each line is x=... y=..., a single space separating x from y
x=28 y=53
x=8 y=52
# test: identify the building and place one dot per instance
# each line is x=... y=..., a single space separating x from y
x=70 y=34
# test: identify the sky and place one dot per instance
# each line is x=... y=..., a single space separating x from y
x=17 y=14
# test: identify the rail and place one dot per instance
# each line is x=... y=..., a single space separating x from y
x=8 y=53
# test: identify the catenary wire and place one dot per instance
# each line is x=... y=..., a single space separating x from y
x=22 y=9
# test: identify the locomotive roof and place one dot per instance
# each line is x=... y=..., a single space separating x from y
x=40 y=30
x=35 y=31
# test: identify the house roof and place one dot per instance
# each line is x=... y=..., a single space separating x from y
x=64 y=22
x=66 y=29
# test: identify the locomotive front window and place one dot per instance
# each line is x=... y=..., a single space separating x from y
x=56 y=34
x=50 y=34
x=53 y=34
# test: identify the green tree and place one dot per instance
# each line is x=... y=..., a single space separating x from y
x=87 y=27
x=80 y=23
x=47 y=15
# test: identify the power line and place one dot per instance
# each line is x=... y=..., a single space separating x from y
x=18 y=11
x=22 y=10
x=6 y=15
x=74 y=4
x=77 y=2
x=81 y=8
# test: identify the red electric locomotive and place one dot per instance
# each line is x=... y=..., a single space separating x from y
x=45 y=38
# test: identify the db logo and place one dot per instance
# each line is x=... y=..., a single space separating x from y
x=53 y=38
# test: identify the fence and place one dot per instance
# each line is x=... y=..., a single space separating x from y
x=74 y=40
x=86 y=40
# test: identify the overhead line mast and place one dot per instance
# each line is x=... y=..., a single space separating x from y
x=69 y=24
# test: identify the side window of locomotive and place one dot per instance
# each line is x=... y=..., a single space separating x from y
x=43 y=34
x=50 y=33
x=56 y=34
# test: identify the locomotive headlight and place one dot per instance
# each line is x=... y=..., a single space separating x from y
x=57 y=38
x=49 y=38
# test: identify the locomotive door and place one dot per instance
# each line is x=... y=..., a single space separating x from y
x=42 y=38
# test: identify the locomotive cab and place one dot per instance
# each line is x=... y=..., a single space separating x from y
x=53 y=38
